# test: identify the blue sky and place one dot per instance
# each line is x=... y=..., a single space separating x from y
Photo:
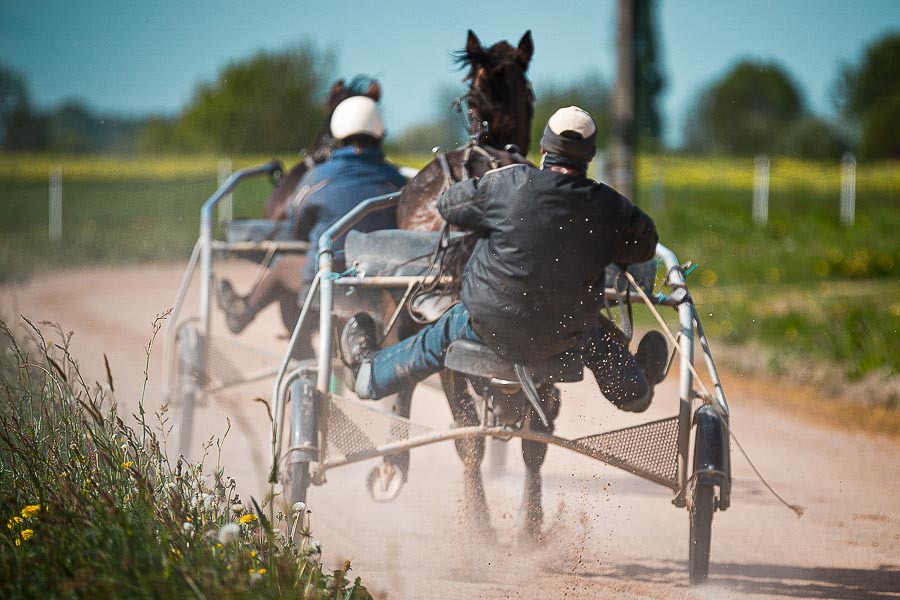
x=131 y=57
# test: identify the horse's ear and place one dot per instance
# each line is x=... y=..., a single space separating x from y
x=336 y=94
x=374 y=91
x=473 y=45
x=526 y=49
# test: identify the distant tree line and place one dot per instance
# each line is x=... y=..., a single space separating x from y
x=272 y=102
x=757 y=107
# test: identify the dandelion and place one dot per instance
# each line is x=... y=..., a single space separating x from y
x=229 y=532
x=299 y=507
x=13 y=522
x=261 y=571
x=27 y=534
x=248 y=518
x=31 y=510
x=188 y=526
x=127 y=464
x=237 y=508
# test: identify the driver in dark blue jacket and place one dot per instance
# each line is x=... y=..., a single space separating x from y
x=533 y=289
x=357 y=171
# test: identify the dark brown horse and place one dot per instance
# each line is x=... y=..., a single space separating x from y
x=277 y=204
x=500 y=109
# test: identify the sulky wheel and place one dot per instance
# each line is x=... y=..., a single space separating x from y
x=188 y=384
x=701 y=515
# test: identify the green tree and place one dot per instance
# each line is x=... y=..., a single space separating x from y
x=588 y=92
x=649 y=79
x=810 y=137
x=868 y=92
x=20 y=127
x=746 y=111
x=269 y=102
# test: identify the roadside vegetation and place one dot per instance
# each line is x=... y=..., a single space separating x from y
x=91 y=507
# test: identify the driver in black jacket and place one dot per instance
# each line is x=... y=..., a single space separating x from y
x=532 y=290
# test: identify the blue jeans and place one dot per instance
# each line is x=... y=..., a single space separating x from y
x=604 y=350
x=421 y=355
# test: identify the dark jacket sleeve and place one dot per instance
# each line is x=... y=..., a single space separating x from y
x=464 y=203
x=640 y=239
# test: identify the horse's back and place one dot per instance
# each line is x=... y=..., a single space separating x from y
x=417 y=204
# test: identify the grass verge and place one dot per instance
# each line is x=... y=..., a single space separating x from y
x=93 y=508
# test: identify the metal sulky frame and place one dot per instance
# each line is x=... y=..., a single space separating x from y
x=327 y=430
x=194 y=364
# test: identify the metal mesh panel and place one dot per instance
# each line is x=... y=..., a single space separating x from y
x=356 y=428
x=649 y=450
x=221 y=368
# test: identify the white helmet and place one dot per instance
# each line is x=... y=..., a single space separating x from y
x=357 y=115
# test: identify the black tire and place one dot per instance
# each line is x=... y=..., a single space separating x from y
x=188 y=388
x=701 y=516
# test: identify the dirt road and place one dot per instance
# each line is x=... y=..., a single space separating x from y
x=609 y=534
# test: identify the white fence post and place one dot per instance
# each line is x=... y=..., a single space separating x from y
x=761 y=190
x=848 y=190
x=55 y=220
x=225 y=206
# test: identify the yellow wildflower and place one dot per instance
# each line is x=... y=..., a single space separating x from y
x=248 y=518
x=262 y=571
x=13 y=522
x=253 y=554
x=31 y=510
x=251 y=571
x=27 y=534
x=127 y=464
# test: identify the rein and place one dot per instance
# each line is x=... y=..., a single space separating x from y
x=435 y=271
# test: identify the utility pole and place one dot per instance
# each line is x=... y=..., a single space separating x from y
x=622 y=155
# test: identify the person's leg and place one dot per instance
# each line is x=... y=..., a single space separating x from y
x=415 y=358
x=619 y=375
x=280 y=283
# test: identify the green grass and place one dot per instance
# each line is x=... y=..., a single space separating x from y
x=108 y=222
x=93 y=509
x=803 y=286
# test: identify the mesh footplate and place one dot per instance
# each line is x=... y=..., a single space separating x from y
x=221 y=367
x=356 y=429
x=649 y=450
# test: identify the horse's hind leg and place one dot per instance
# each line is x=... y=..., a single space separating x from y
x=534 y=454
x=470 y=450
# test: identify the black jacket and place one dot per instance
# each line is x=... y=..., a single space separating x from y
x=533 y=284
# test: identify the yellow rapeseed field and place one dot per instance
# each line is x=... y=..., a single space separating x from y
x=674 y=171
x=785 y=173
